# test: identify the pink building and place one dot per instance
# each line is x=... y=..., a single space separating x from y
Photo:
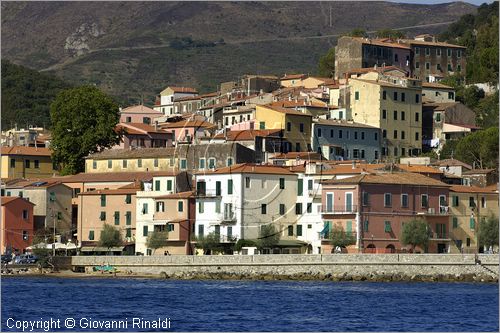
x=374 y=207
x=17 y=224
x=139 y=114
x=187 y=130
x=139 y=135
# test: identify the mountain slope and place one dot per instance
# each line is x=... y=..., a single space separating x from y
x=130 y=49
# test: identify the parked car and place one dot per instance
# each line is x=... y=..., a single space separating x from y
x=26 y=259
x=6 y=258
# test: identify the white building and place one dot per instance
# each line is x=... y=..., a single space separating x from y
x=169 y=95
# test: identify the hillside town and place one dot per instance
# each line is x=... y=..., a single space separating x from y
x=268 y=165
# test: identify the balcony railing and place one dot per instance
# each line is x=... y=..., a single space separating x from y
x=440 y=235
x=207 y=193
x=339 y=209
x=227 y=217
x=442 y=210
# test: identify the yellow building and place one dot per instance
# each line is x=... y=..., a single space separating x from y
x=393 y=104
x=469 y=205
x=27 y=162
x=296 y=125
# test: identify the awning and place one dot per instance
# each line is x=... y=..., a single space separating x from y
x=101 y=249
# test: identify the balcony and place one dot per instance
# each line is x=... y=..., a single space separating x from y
x=440 y=236
x=227 y=217
x=210 y=193
x=326 y=236
x=227 y=239
x=443 y=210
x=339 y=209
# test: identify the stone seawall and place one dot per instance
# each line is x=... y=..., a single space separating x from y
x=338 y=267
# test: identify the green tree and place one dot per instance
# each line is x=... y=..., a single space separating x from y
x=488 y=232
x=44 y=255
x=209 y=243
x=110 y=237
x=479 y=149
x=269 y=237
x=389 y=33
x=487 y=111
x=156 y=240
x=84 y=121
x=340 y=238
x=415 y=233
x=326 y=66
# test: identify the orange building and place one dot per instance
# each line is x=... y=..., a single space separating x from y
x=17 y=224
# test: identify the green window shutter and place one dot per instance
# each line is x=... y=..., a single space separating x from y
x=201 y=230
x=217 y=188
x=103 y=216
x=356 y=95
x=299 y=230
x=229 y=232
x=455 y=201
x=366 y=226
x=455 y=222
x=472 y=223
x=217 y=206
x=229 y=186
x=117 y=218
x=169 y=185
x=387 y=226
x=103 y=200
x=180 y=206
x=201 y=164
x=145 y=231
x=201 y=207
x=144 y=208
x=157 y=185
x=128 y=218
x=52 y=197
x=262 y=125
x=128 y=199
x=348 y=227
x=91 y=235
x=129 y=232
x=300 y=186
x=183 y=164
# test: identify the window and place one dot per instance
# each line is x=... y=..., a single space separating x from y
x=472 y=223
x=319 y=132
x=438 y=117
x=355 y=135
x=395 y=97
x=128 y=218
x=263 y=209
x=145 y=208
x=201 y=207
x=384 y=114
x=483 y=202
x=356 y=95
x=395 y=115
x=297 y=146
x=403 y=115
x=282 y=209
x=217 y=206
x=427 y=51
x=310 y=184
x=450 y=69
x=102 y=216
x=455 y=222
x=262 y=125
x=309 y=207
x=299 y=230
x=229 y=186
x=27 y=164
x=12 y=163
x=301 y=127
x=288 y=126
x=37 y=164
x=424 y=200
x=218 y=188
x=91 y=235
x=229 y=161
x=387 y=226
x=331 y=133
x=366 y=198
x=201 y=163
x=110 y=164
x=211 y=163
x=229 y=232
x=365 y=226
x=155 y=163
x=117 y=218
x=438 y=52
x=384 y=94
x=404 y=200
x=183 y=164
x=468 y=242
x=451 y=95
x=355 y=153
x=340 y=134
x=169 y=185
x=145 y=231
x=417 y=65
x=171 y=162
x=362 y=135
x=417 y=50
x=448 y=52
x=290 y=230
x=247 y=182
x=472 y=204
x=282 y=183
x=124 y=164
x=160 y=206
x=438 y=67
x=459 y=68
x=201 y=230
x=180 y=206
x=417 y=99
x=384 y=134
x=103 y=200
x=395 y=151
x=157 y=185
x=25 y=214
x=387 y=200
x=395 y=134
x=416 y=116
x=416 y=136
x=403 y=97
x=427 y=65
x=298 y=208
x=454 y=201
x=128 y=232
x=375 y=136
x=170 y=227
x=459 y=53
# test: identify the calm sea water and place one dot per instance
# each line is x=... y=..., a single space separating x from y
x=255 y=305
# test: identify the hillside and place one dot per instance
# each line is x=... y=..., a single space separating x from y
x=130 y=49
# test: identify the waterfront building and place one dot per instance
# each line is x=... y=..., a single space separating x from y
x=17 y=224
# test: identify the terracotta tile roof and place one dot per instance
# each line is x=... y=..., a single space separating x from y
x=478 y=171
x=140 y=109
x=381 y=42
x=359 y=168
x=180 y=195
x=188 y=123
x=293 y=76
x=133 y=153
x=301 y=155
x=118 y=191
x=248 y=135
x=276 y=106
x=436 y=85
x=187 y=98
x=419 y=168
x=326 y=80
x=343 y=123
x=8 y=200
x=453 y=162
x=114 y=176
x=301 y=103
x=27 y=151
x=421 y=42
x=139 y=128
x=30 y=184
x=394 y=178
x=248 y=168
x=186 y=90
x=473 y=189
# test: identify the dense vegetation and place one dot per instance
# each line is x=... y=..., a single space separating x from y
x=26 y=96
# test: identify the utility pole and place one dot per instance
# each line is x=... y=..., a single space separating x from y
x=330 y=16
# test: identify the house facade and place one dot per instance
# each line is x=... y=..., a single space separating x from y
x=17 y=224
x=168 y=97
x=27 y=162
x=139 y=114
